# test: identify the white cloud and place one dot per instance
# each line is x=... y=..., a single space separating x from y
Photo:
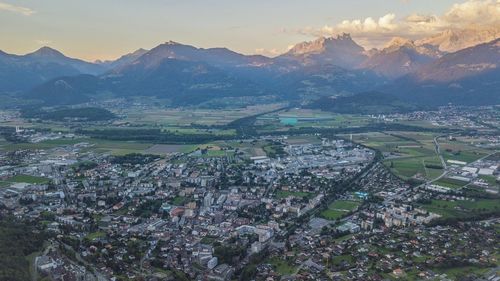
x=383 y=24
x=373 y=31
x=474 y=12
x=43 y=42
x=269 y=52
x=16 y=9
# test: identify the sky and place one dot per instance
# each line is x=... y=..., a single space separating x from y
x=107 y=29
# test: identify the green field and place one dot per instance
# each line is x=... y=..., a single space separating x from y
x=459 y=272
x=461 y=209
x=460 y=151
x=451 y=183
x=284 y=194
x=178 y=201
x=95 y=235
x=118 y=147
x=98 y=145
x=193 y=131
x=28 y=179
x=339 y=209
x=180 y=117
x=4 y=184
x=337 y=260
x=412 y=154
x=491 y=180
x=7 y=146
x=282 y=266
x=408 y=154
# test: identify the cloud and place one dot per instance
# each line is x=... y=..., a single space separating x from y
x=268 y=52
x=375 y=31
x=385 y=23
x=16 y=9
x=474 y=12
x=43 y=42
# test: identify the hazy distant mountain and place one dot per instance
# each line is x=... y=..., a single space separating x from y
x=340 y=51
x=125 y=59
x=19 y=74
x=23 y=72
x=400 y=57
x=67 y=90
x=327 y=66
x=184 y=74
x=453 y=40
x=190 y=75
x=49 y=55
x=469 y=76
x=464 y=63
x=312 y=81
x=218 y=57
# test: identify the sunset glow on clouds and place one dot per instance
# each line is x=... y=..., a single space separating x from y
x=375 y=31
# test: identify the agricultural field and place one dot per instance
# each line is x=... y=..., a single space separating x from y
x=96 y=145
x=451 y=183
x=302 y=118
x=407 y=154
x=170 y=148
x=251 y=149
x=172 y=117
x=460 y=209
x=339 y=209
x=461 y=151
x=118 y=147
x=7 y=146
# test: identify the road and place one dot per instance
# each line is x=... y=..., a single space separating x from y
x=443 y=162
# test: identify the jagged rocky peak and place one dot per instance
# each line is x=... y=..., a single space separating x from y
x=322 y=44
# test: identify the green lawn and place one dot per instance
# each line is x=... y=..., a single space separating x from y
x=284 y=194
x=461 y=209
x=337 y=260
x=339 y=209
x=178 y=201
x=332 y=214
x=344 y=205
x=281 y=266
x=95 y=235
x=4 y=184
x=29 y=179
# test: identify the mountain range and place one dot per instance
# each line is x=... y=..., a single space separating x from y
x=453 y=66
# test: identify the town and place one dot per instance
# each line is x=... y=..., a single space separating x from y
x=273 y=207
